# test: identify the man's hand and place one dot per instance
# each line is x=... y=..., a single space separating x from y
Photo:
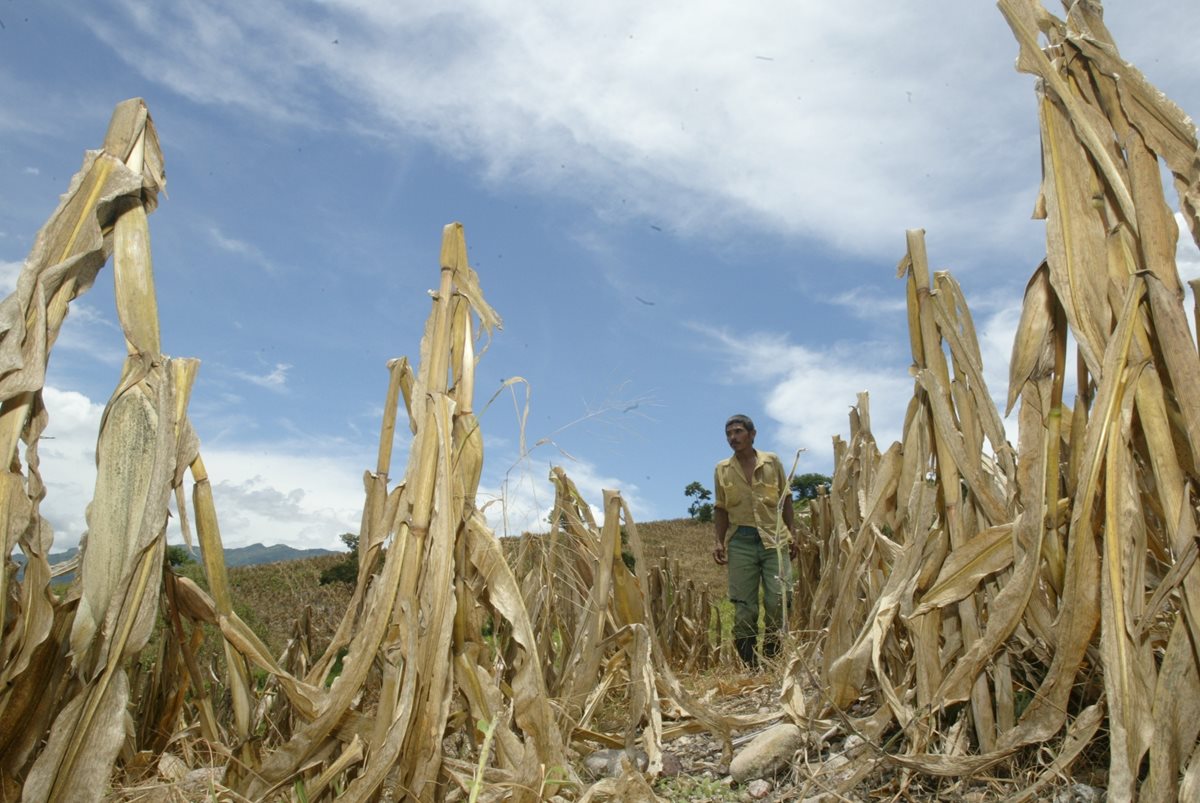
x=720 y=528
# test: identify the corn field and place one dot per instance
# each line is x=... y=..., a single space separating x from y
x=967 y=608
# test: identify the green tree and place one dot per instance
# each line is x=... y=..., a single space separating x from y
x=178 y=556
x=346 y=570
x=804 y=486
x=700 y=509
x=626 y=552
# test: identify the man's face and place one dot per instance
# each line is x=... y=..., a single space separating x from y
x=738 y=437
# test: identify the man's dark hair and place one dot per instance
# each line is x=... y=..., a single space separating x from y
x=744 y=420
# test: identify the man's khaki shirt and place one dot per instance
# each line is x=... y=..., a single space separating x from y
x=756 y=503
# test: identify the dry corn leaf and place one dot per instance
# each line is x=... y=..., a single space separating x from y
x=1031 y=352
x=987 y=553
x=66 y=769
x=1129 y=671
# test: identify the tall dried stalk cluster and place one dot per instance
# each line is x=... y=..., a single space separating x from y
x=986 y=600
x=687 y=619
x=63 y=662
x=601 y=628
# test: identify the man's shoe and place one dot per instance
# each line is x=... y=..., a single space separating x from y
x=745 y=650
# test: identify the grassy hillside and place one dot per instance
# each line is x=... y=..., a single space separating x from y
x=270 y=597
x=690 y=544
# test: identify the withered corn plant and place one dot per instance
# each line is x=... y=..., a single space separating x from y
x=598 y=624
x=976 y=601
x=432 y=577
x=686 y=617
x=64 y=686
x=69 y=665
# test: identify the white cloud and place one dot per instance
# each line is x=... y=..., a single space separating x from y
x=248 y=251
x=301 y=494
x=520 y=502
x=275 y=380
x=68 y=461
x=9 y=271
x=792 y=116
x=869 y=302
x=306 y=494
x=1187 y=256
x=809 y=393
x=276 y=511
x=93 y=334
x=523 y=499
x=996 y=333
x=32 y=171
x=814 y=397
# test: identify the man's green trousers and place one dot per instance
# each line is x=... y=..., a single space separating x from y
x=752 y=566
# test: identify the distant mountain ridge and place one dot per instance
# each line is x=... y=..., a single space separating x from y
x=234 y=556
x=276 y=553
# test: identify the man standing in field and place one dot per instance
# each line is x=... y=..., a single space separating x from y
x=753 y=496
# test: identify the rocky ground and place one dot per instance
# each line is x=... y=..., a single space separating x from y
x=693 y=767
x=765 y=765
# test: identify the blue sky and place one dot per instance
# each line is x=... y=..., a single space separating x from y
x=680 y=211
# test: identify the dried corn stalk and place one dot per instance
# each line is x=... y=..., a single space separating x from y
x=1002 y=584
x=420 y=604
x=683 y=616
x=597 y=618
x=75 y=686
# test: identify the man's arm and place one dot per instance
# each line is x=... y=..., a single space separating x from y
x=720 y=527
x=789 y=518
x=720 y=518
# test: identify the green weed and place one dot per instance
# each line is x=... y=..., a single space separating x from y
x=689 y=788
